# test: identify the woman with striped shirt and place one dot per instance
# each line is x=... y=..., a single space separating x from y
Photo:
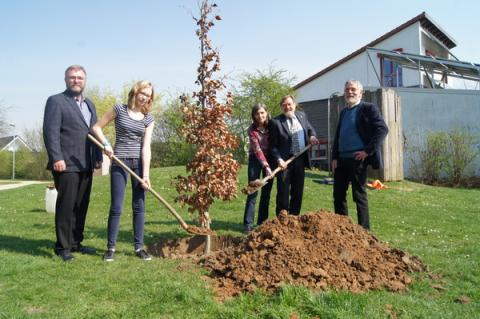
x=133 y=128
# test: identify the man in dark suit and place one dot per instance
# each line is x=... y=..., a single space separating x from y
x=291 y=132
x=359 y=135
x=71 y=158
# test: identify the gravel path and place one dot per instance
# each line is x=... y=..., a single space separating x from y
x=20 y=184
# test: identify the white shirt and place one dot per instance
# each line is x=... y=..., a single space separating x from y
x=298 y=129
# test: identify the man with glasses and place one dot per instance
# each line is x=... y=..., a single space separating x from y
x=71 y=158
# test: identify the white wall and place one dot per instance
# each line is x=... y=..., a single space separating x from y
x=361 y=69
x=432 y=110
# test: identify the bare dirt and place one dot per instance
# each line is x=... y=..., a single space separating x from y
x=319 y=250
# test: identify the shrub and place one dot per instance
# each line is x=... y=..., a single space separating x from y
x=461 y=154
x=5 y=164
x=434 y=157
x=444 y=157
x=28 y=165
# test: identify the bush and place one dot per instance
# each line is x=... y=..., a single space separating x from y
x=28 y=165
x=434 y=157
x=5 y=165
x=462 y=153
x=444 y=157
x=171 y=153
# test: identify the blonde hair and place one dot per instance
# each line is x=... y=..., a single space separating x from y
x=132 y=95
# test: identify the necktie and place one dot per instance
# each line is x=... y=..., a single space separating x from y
x=85 y=111
x=295 y=148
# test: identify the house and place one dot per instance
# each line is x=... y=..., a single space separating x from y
x=415 y=54
x=13 y=143
x=436 y=91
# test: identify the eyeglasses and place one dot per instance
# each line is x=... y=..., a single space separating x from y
x=144 y=95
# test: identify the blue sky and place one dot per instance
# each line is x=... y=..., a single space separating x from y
x=118 y=41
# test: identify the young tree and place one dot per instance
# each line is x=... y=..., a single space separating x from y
x=168 y=146
x=213 y=170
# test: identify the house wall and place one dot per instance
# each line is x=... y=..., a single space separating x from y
x=334 y=80
x=361 y=69
x=432 y=110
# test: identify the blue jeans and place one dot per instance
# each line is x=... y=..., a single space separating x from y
x=118 y=182
x=254 y=171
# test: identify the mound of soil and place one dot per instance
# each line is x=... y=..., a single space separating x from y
x=318 y=250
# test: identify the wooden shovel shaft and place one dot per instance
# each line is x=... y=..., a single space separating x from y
x=138 y=178
x=278 y=169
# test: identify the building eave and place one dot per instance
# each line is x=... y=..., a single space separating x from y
x=425 y=21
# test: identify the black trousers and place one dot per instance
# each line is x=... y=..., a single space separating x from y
x=71 y=208
x=290 y=184
x=352 y=171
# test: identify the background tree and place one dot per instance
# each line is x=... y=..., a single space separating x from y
x=168 y=146
x=212 y=170
x=3 y=121
x=262 y=86
x=104 y=100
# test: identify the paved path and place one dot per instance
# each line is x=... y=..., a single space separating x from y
x=19 y=184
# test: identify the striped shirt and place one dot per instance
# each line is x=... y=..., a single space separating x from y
x=129 y=133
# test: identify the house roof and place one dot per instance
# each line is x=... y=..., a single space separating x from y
x=6 y=141
x=425 y=21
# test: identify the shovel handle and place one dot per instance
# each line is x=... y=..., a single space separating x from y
x=138 y=178
x=278 y=169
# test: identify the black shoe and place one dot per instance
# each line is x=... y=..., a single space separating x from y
x=65 y=255
x=109 y=254
x=142 y=254
x=84 y=250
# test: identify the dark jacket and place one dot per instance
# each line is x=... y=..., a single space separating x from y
x=372 y=130
x=65 y=134
x=281 y=138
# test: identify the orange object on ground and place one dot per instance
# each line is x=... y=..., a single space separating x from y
x=377 y=185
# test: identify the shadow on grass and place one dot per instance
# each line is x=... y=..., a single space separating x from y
x=37 y=210
x=315 y=174
x=216 y=225
x=34 y=247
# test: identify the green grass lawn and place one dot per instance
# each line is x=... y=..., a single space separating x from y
x=441 y=225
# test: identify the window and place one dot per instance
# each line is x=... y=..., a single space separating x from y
x=392 y=75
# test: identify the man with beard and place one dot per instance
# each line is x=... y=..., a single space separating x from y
x=291 y=132
x=359 y=135
x=71 y=158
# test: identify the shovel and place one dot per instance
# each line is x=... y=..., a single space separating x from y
x=255 y=185
x=189 y=228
